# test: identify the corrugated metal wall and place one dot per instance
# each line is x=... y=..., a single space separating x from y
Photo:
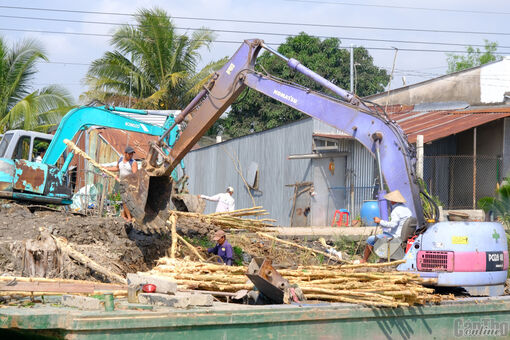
x=211 y=169
x=360 y=169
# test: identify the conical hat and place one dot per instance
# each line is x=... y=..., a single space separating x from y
x=395 y=196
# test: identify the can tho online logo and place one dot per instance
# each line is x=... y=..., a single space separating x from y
x=482 y=328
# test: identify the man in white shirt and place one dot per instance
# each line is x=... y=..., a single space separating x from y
x=224 y=199
x=125 y=166
x=392 y=228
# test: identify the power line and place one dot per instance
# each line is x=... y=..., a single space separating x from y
x=232 y=41
x=400 y=7
x=249 y=32
x=301 y=24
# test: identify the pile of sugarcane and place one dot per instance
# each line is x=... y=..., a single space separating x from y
x=233 y=219
x=358 y=284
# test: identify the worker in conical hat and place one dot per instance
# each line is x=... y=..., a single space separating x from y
x=395 y=196
x=392 y=228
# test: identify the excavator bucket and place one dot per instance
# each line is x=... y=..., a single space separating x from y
x=151 y=199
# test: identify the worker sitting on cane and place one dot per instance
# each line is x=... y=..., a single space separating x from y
x=392 y=228
x=223 y=249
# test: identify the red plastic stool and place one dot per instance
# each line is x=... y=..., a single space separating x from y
x=343 y=218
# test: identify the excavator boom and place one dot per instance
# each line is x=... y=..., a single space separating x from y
x=373 y=129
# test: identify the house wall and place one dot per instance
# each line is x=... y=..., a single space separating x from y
x=481 y=85
x=360 y=171
x=211 y=169
x=489 y=140
x=456 y=87
x=448 y=165
x=506 y=147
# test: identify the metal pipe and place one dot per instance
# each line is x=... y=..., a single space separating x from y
x=164 y=113
x=317 y=155
x=126 y=110
x=297 y=66
x=69 y=157
x=180 y=117
x=474 y=168
x=383 y=204
x=419 y=156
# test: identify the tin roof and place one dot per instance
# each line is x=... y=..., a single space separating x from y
x=119 y=139
x=438 y=124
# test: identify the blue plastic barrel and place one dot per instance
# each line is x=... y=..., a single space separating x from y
x=369 y=210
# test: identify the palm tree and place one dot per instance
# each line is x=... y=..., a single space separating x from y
x=20 y=106
x=500 y=204
x=151 y=63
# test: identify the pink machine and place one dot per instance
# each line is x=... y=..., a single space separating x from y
x=472 y=255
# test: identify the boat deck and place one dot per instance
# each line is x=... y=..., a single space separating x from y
x=231 y=321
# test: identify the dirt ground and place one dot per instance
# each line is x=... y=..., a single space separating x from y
x=105 y=240
x=110 y=242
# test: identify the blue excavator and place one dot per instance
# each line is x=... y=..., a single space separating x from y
x=45 y=182
x=473 y=255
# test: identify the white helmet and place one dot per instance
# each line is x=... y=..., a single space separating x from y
x=230 y=190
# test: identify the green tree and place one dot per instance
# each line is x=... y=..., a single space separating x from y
x=20 y=106
x=153 y=63
x=473 y=58
x=256 y=112
x=499 y=205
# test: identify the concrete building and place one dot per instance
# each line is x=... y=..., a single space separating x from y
x=482 y=85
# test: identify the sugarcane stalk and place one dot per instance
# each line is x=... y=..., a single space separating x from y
x=173 y=248
x=299 y=246
x=82 y=153
x=193 y=249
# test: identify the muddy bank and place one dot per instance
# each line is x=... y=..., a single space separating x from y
x=107 y=241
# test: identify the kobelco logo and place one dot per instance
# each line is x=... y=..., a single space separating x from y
x=133 y=125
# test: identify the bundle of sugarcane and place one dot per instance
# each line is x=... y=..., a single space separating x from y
x=233 y=219
x=201 y=275
x=349 y=283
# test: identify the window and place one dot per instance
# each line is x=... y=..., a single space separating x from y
x=325 y=144
x=22 y=150
x=4 y=143
x=40 y=146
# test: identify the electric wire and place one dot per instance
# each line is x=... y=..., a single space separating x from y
x=301 y=24
x=249 y=32
x=400 y=7
x=236 y=42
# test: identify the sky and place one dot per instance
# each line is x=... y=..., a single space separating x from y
x=71 y=46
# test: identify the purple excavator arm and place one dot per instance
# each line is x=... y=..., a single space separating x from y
x=383 y=137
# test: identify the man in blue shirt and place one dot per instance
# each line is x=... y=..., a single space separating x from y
x=223 y=249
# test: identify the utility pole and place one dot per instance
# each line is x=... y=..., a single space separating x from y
x=391 y=77
x=352 y=69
